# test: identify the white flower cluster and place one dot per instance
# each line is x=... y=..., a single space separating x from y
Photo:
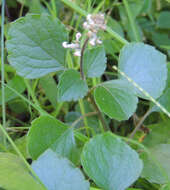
x=93 y=24
x=75 y=46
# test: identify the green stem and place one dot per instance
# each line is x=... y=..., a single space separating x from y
x=81 y=104
x=21 y=156
x=54 y=8
x=84 y=13
x=132 y=21
x=3 y=70
x=33 y=95
x=37 y=107
x=104 y=125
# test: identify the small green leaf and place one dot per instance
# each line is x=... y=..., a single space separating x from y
x=110 y=162
x=159 y=134
x=16 y=83
x=116 y=99
x=164 y=20
x=65 y=145
x=59 y=173
x=14 y=175
x=71 y=86
x=44 y=131
x=35 y=45
x=146 y=66
x=164 y=100
x=94 y=62
x=158 y=172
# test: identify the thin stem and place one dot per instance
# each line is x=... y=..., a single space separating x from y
x=37 y=107
x=81 y=58
x=54 y=8
x=139 y=124
x=21 y=10
x=132 y=21
x=82 y=117
x=33 y=95
x=3 y=70
x=105 y=128
x=20 y=155
x=81 y=104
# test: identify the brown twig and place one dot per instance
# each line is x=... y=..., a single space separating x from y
x=82 y=117
x=139 y=124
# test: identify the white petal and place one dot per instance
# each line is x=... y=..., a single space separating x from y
x=78 y=36
x=77 y=53
x=65 y=44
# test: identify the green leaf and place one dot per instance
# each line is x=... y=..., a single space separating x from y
x=115 y=26
x=164 y=20
x=110 y=162
x=44 y=131
x=16 y=83
x=50 y=87
x=164 y=100
x=157 y=172
x=71 y=86
x=159 y=134
x=116 y=99
x=35 y=45
x=94 y=62
x=146 y=66
x=59 y=173
x=14 y=175
x=65 y=145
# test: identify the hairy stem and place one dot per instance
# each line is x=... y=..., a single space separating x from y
x=81 y=58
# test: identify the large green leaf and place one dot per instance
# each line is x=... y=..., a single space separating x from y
x=35 y=45
x=94 y=62
x=59 y=173
x=65 y=145
x=158 y=172
x=14 y=175
x=146 y=66
x=71 y=86
x=110 y=162
x=116 y=99
x=43 y=133
x=16 y=83
x=164 y=20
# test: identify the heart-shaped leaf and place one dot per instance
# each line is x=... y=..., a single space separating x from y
x=43 y=133
x=110 y=162
x=94 y=62
x=65 y=145
x=35 y=45
x=116 y=99
x=146 y=66
x=58 y=173
x=71 y=86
